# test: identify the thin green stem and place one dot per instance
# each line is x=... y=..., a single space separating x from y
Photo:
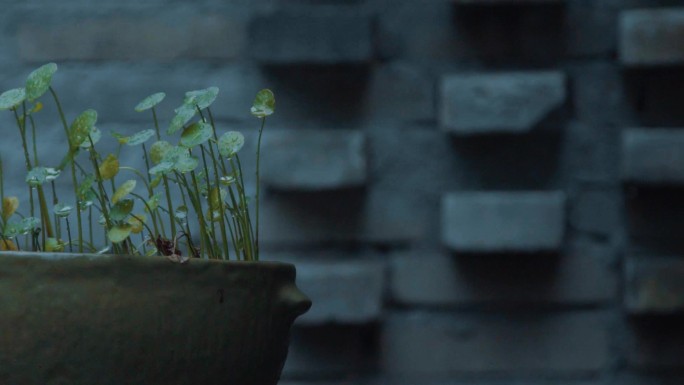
x=258 y=157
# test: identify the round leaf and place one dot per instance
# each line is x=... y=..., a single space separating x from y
x=81 y=127
x=121 y=209
x=110 y=167
x=230 y=143
x=27 y=225
x=140 y=137
x=39 y=175
x=264 y=104
x=183 y=114
x=186 y=164
x=39 y=81
x=150 y=101
x=123 y=190
x=162 y=168
x=201 y=98
x=119 y=233
x=52 y=244
x=9 y=206
x=181 y=213
x=136 y=221
x=62 y=210
x=196 y=134
x=159 y=150
x=12 y=98
x=95 y=136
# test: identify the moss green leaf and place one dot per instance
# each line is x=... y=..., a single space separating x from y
x=159 y=150
x=140 y=137
x=95 y=136
x=121 y=209
x=201 y=98
x=39 y=175
x=119 y=233
x=162 y=168
x=12 y=98
x=186 y=164
x=196 y=134
x=82 y=127
x=183 y=115
x=62 y=209
x=39 y=81
x=123 y=190
x=150 y=101
x=230 y=143
x=264 y=104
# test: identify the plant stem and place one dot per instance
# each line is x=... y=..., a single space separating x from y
x=258 y=156
x=169 y=203
x=73 y=168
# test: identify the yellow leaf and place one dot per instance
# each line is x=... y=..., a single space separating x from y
x=136 y=221
x=7 y=245
x=53 y=244
x=109 y=168
x=9 y=206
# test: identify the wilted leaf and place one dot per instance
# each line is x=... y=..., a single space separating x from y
x=121 y=209
x=123 y=190
x=216 y=196
x=155 y=181
x=150 y=101
x=109 y=168
x=12 y=98
x=159 y=150
x=196 y=134
x=136 y=221
x=230 y=143
x=52 y=244
x=62 y=210
x=39 y=175
x=119 y=233
x=8 y=245
x=140 y=137
x=81 y=127
x=122 y=139
x=264 y=104
x=9 y=206
x=183 y=114
x=201 y=98
x=39 y=81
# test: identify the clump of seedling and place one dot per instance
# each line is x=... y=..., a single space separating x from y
x=202 y=167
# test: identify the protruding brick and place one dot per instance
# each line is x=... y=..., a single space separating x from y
x=653 y=156
x=475 y=222
x=132 y=37
x=286 y=38
x=420 y=345
x=313 y=159
x=654 y=285
x=650 y=37
x=344 y=292
x=515 y=102
x=507 y=2
x=438 y=280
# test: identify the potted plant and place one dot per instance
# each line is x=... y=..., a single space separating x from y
x=187 y=303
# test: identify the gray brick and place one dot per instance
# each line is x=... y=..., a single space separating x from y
x=651 y=37
x=438 y=280
x=653 y=156
x=314 y=159
x=344 y=292
x=426 y=345
x=597 y=211
x=503 y=221
x=337 y=36
x=163 y=36
x=477 y=104
x=654 y=285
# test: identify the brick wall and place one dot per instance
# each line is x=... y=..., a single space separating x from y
x=475 y=191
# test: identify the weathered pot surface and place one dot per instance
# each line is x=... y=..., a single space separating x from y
x=73 y=319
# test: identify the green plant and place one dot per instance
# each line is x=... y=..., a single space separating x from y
x=203 y=167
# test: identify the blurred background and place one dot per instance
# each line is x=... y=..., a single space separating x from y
x=474 y=191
